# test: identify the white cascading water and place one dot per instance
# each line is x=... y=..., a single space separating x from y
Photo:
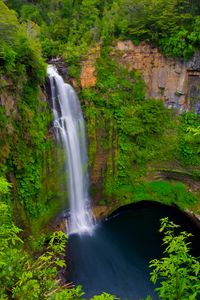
x=70 y=132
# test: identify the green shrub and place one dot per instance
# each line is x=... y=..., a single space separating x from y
x=165 y=192
x=178 y=272
x=189 y=139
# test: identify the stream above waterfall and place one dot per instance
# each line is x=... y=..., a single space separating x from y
x=115 y=258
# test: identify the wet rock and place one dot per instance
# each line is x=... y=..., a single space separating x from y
x=61 y=66
x=101 y=211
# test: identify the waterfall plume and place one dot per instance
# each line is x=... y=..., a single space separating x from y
x=69 y=128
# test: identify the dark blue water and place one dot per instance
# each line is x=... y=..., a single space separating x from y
x=115 y=258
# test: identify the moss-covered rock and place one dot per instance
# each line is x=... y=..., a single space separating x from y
x=131 y=138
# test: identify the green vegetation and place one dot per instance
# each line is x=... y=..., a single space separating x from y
x=178 y=273
x=68 y=27
x=23 y=276
x=26 y=152
x=190 y=139
x=136 y=136
x=165 y=192
x=20 y=51
x=104 y=296
x=129 y=135
x=172 y=25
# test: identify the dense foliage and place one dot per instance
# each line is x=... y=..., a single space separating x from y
x=21 y=275
x=20 y=51
x=24 y=276
x=68 y=27
x=190 y=139
x=129 y=134
x=178 y=273
x=136 y=137
x=26 y=151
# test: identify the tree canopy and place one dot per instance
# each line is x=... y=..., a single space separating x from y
x=69 y=26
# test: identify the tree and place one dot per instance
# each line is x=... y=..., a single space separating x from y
x=178 y=273
x=8 y=23
x=4 y=186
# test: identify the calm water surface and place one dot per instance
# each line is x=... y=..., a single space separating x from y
x=115 y=258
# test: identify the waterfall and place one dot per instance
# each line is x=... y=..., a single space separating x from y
x=70 y=133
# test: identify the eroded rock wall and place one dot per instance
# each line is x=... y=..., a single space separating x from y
x=27 y=151
x=174 y=81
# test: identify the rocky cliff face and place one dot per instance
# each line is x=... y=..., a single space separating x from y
x=175 y=82
x=27 y=151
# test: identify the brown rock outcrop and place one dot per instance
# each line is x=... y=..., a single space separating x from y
x=88 y=71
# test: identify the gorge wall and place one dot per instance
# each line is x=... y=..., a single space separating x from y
x=125 y=148
x=28 y=157
x=175 y=82
x=27 y=151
